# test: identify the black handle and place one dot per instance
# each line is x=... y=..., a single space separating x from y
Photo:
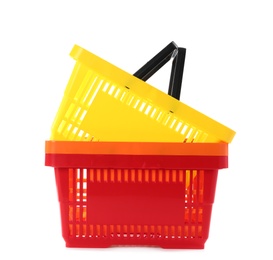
x=177 y=73
x=158 y=61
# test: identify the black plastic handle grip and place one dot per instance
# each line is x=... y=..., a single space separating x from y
x=159 y=60
x=177 y=73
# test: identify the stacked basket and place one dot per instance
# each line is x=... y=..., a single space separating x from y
x=133 y=165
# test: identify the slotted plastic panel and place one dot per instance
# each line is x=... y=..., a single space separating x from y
x=107 y=207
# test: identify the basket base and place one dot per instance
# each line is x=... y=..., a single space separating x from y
x=162 y=243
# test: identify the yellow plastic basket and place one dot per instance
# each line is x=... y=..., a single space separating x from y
x=103 y=102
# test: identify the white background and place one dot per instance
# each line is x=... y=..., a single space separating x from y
x=228 y=76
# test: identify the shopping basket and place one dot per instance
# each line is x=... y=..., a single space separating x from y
x=104 y=103
x=136 y=193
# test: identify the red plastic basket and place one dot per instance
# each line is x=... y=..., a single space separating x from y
x=149 y=194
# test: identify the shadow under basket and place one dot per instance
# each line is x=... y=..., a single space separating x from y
x=137 y=194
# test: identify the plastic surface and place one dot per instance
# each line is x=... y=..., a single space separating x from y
x=115 y=194
x=103 y=102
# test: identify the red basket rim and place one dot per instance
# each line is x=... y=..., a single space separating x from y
x=136 y=155
x=136 y=148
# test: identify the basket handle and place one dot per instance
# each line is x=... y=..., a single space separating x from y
x=177 y=73
x=159 y=60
